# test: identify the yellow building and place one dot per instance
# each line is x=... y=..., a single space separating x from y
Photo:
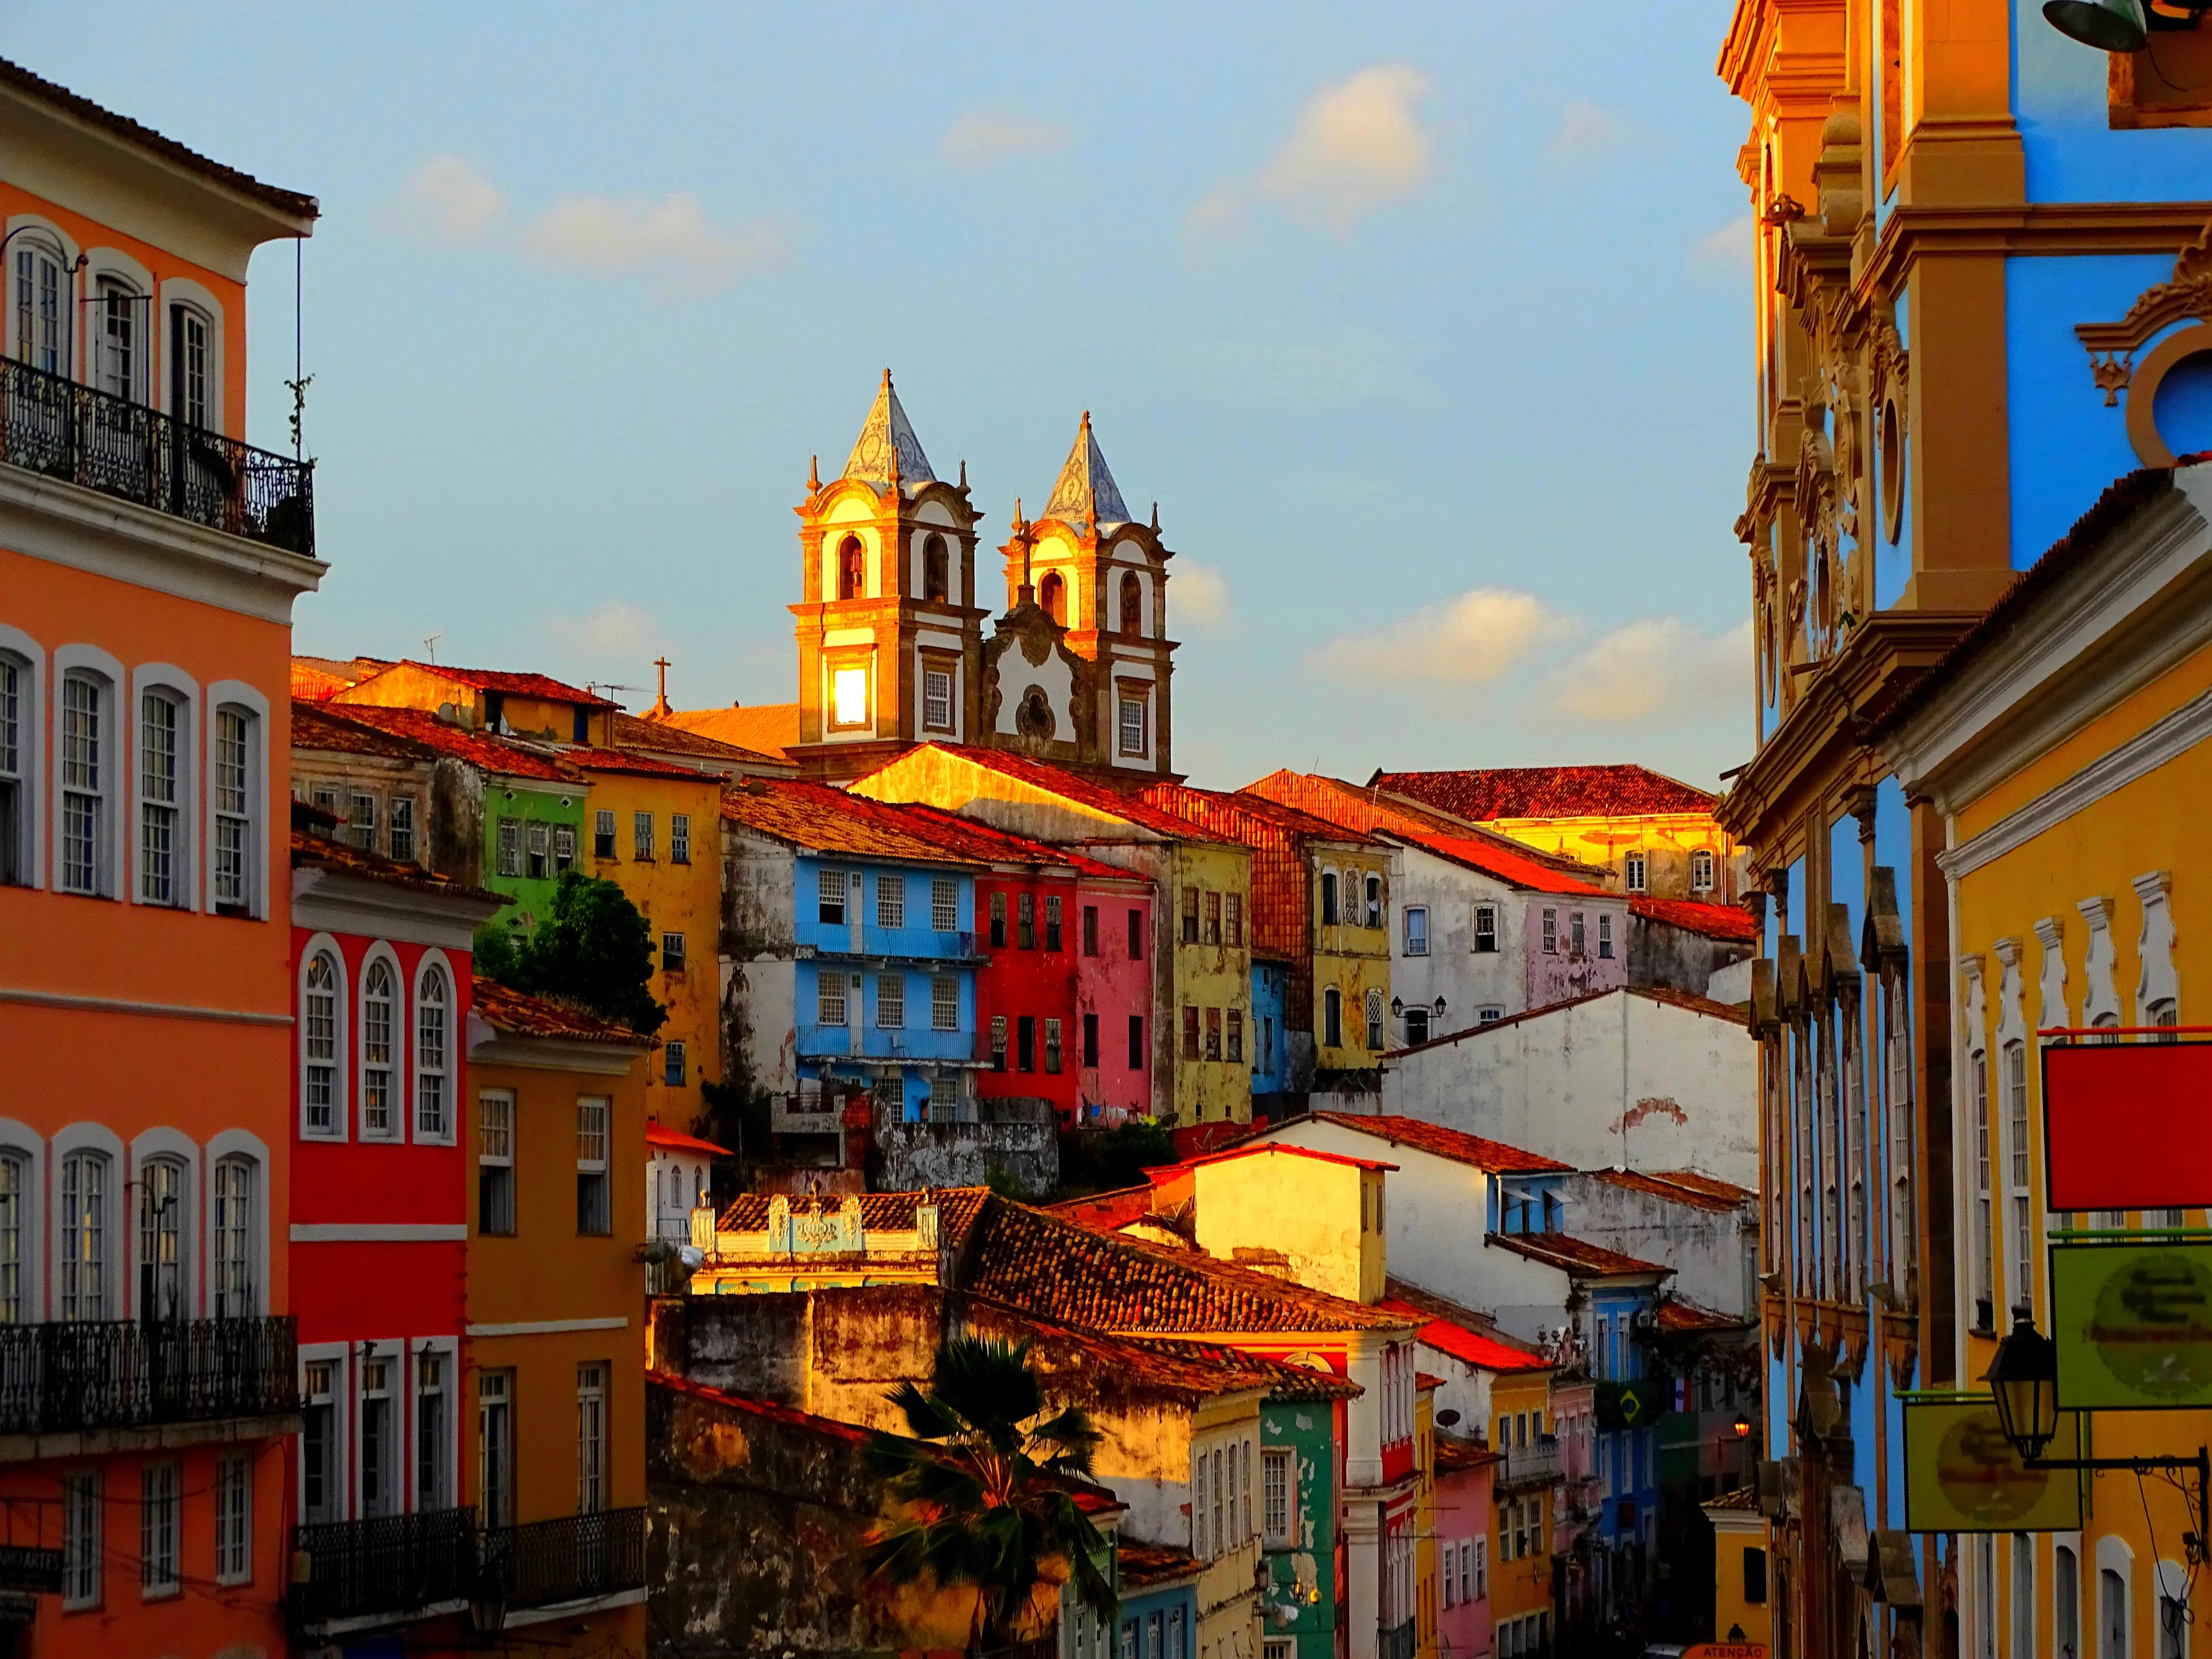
x=556 y=1355
x=1740 y=1566
x=1521 y=1551
x=2062 y=743
x=514 y=705
x=1202 y=885
x=1428 y=1603
x=654 y=829
x=1320 y=1213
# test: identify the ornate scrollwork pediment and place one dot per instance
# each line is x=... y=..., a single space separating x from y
x=2187 y=294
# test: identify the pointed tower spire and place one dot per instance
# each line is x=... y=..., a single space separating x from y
x=887 y=448
x=1085 y=493
x=814 y=475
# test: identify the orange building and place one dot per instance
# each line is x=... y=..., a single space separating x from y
x=149 y=562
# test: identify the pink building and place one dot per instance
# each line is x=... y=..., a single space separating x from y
x=1466 y=1515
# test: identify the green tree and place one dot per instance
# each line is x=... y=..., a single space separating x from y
x=595 y=950
x=986 y=1480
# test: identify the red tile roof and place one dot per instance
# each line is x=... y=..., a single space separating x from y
x=655 y=1135
x=1255 y=1147
x=1107 y=1212
x=318 y=678
x=891 y=1213
x=1744 y=1498
x=513 y=685
x=767 y=728
x=664 y=736
x=817 y=819
x=973 y=839
x=1675 y=1190
x=1248 y=817
x=628 y=763
x=1676 y=1314
x=1427 y=1382
x=1721 y=921
x=1060 y=1271
x=311 y=851
x=1073 y=786
x=1453 y=1144
x=1547 y=792
x=1471 y=1348
x=516 y=1013
x=1698 y=1181
x=1666 y=994
x=500 y=756
x=1146 y=1566
x=1575 y=1256
x=326 y=728
x=1457 y=1456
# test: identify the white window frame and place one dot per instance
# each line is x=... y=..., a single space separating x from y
x=112 y=275
x=179 y=1151
x=236 y=697
x=944 y=903
x=341 y=1124
x=390 y=1352
x=234 y=1512
x=242 y=1148
x=338 y=1356
x=936 y=698
x=26 y=1148
x=895 y=977
x=96 y=665
x=498 y=1161
x=594 y=1465
x=32 y=231
x=827 y=986
x=200 y=305
x=433 y=963
x=447 y=1350
x=891 y=899
x=1702 y=871
x=600 y=1167
x=494 y=1513
x=29 y=659
x=1279 y=1463
x=679 y=838
x=401 y=1102
x=95 y=1140
x=182 y=693
x=1635 y=872
x=1550 y=936
x=160 y=1527
x=1406 y=913
x=945 y=1002
x=84 y=1499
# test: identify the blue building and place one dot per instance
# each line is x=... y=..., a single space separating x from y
x=849 y=953
x=1271 y=1059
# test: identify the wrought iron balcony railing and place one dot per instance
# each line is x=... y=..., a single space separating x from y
x=1531 y=1466
x=390 y=1566
x=68 y=1377
x=54 y=426
x=572 y=1558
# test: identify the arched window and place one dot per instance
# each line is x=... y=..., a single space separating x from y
x=431 y=1034
x=88 y=783
x=936 y=570
x=1332 y=1017
x=164 y=796
x=1701 y=871
x=234 y=805
x=84 y=1246
x=162 y=1230
x=378 y=993
x=2111 y=1612
x=19 y=757
x=1052 y=594
x=191 y=365
x=1328 y=898
x=1132 y=604
x=852 y=578
x=14 y=1181
x=236 y=1190
x=322 y=1086
x=39 y=306
x=1374 y=901
x=1375 y=1021
x=118 y=346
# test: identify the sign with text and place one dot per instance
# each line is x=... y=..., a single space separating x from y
x=1961 y=1474
x=1726 y=1650
x=2133 y=1323
x=2128 y=1126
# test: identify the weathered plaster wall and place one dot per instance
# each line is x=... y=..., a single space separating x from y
x=1305 y=1212
x=1712 y=1252
x=1467 y=978
x=1563 y=972
x=1661 y=954
x=758 y=979
x=921 y=1155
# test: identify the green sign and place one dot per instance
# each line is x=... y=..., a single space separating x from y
x=2133 y=1323
x=1961 y=1474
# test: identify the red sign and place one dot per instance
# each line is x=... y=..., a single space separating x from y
x=1726 y=1650
x=2127 y=1125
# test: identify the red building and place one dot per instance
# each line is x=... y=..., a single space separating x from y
x=1062 y=1002
x=379 y=1224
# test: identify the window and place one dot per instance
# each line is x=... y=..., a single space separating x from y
x=1052 y=1047
x=1417 y=1026
x=1197 y=1538
x=234 y=1519
x=945 y=1003
x=39 y=268
x=1233 y=921
x=360 y=822
x=1132 y=604
x=510 y=847
x=318 y=1044
x=1090 y=930
x=641 y=836
x=1701 y=871
x=431 y=1027
x=496 y=1447
x=162 y=1230
x=379 y=1477
x=1025 y=1043
x=1328 y=898
x=1136 y=1042
x=1214 y=918
x=944 y=903
x=829 y=1000
x=1984 y=1289
x=1025 y=928
x=2112 y=1619
x=1190 y=1032
x=496 y=1163
x=1754 y=1576
x=1136 y=935
x=84 y=785
x=379 y=990
x=1605 y=934
x=593 y=1212
x=1052 y=595
x=829 y=894
x=16 y=719
x=1236 y=1019
x=564 y=847
x=1416 y=926
x=674 y=1064
x=937 y=699
x=890 y=1002
x=2015 y=1080
x=1632 y=872
x=1276 y=1473
x=1481 y=1568
x=1486 y=1016
x=1577 y=945
x=233 y=812
x=936 y=570
x=81 y=1538
x=890 y=901
x=679 y=838
x=434 y=1485
x=672 y=953
x=1190 y=916
x=1091 y=1042
x=602 y=837
x=849 y=697
x=1486 y=927
x=161 y=752
x=999 y=922
x=852 y=578
x=2065 y=1601
x=1550 y=932
x=591 y=1437
x=997 y=1042
x=1375 y=1021
x=14 y=1175
x=403 y=829
x=84 y=1235
x=160 y=1498
x=540 y=865
x=1134 y=720
x=2023 y=1600
x=1332 y=1017
x=117 y=359
x=1213 y=1034
x=236 y=1230
x=1374 y=901
x=320 y=1495
x=1052 y=934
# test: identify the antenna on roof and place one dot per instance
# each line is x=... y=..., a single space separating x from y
x=430 y=645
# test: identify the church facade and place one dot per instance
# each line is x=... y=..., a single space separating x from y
x=1077 y=669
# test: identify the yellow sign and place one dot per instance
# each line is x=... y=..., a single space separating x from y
x=2133 y=1323
x=1961 y=1474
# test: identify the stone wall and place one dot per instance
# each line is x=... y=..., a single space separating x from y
x=1018 y=1136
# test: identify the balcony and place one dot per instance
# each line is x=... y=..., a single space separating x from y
x=68 y=1377
x=383 y=1570
x=576 y=1557
x=52 y=426
x=1531 y=1466
x=1396 y=1642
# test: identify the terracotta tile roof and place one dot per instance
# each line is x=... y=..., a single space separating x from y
x=628 y=763
x=1052 y=1267
x=1107 y=1212
x=1253 y=819
x=1575 y=1256
x=1676 y=1314
x=323 y=728
x=972 y=839
x=318 y=677
x=655 y=1135
x=1675 y=1191
x=1723 y=921
x=666 y=736
x=291 y=203
x=817 y=819
x=1471 y=1347
x=1743 y=1497
x=1126 y=805
x=312 y=851
x=1698 y=1181
x=766 y=728
x=1283 y=1380
x=516 y=1013
x=1453 y=1144
x=502 y=756
x=1146 y=1566
x=1254 y=1146
x=513 y=685
x=1194 y=1369
x=1667 y=994
x=1547 y=792
x=1457 y=1456
x=891 y=1212
x=1427 y=1383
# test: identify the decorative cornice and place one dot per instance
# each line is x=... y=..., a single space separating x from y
x=152 y=1010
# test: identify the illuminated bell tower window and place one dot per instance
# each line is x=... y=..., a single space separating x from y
x=852 y=576
x=848 y=696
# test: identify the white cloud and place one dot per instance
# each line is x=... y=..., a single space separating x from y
x=614 y=634
x=1656 y=668
x=1584 y=127
x=1734 y=244
x=1357 y=144
x=447 y=202
x=1468 y=640
x=1360 y=366
x=977 y=139
x=1199 y=596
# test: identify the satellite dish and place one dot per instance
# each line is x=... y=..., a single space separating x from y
x=1447 y=1419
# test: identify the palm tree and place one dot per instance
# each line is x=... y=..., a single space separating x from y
x=987 y=1487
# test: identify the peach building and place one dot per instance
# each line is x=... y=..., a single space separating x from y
x=149 y=562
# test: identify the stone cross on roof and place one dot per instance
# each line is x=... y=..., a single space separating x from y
x=1085 y=489
x=885 y=430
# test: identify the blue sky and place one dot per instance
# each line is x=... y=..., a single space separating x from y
x=1427 y=328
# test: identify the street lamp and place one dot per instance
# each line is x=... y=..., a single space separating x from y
x=2107 y=25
